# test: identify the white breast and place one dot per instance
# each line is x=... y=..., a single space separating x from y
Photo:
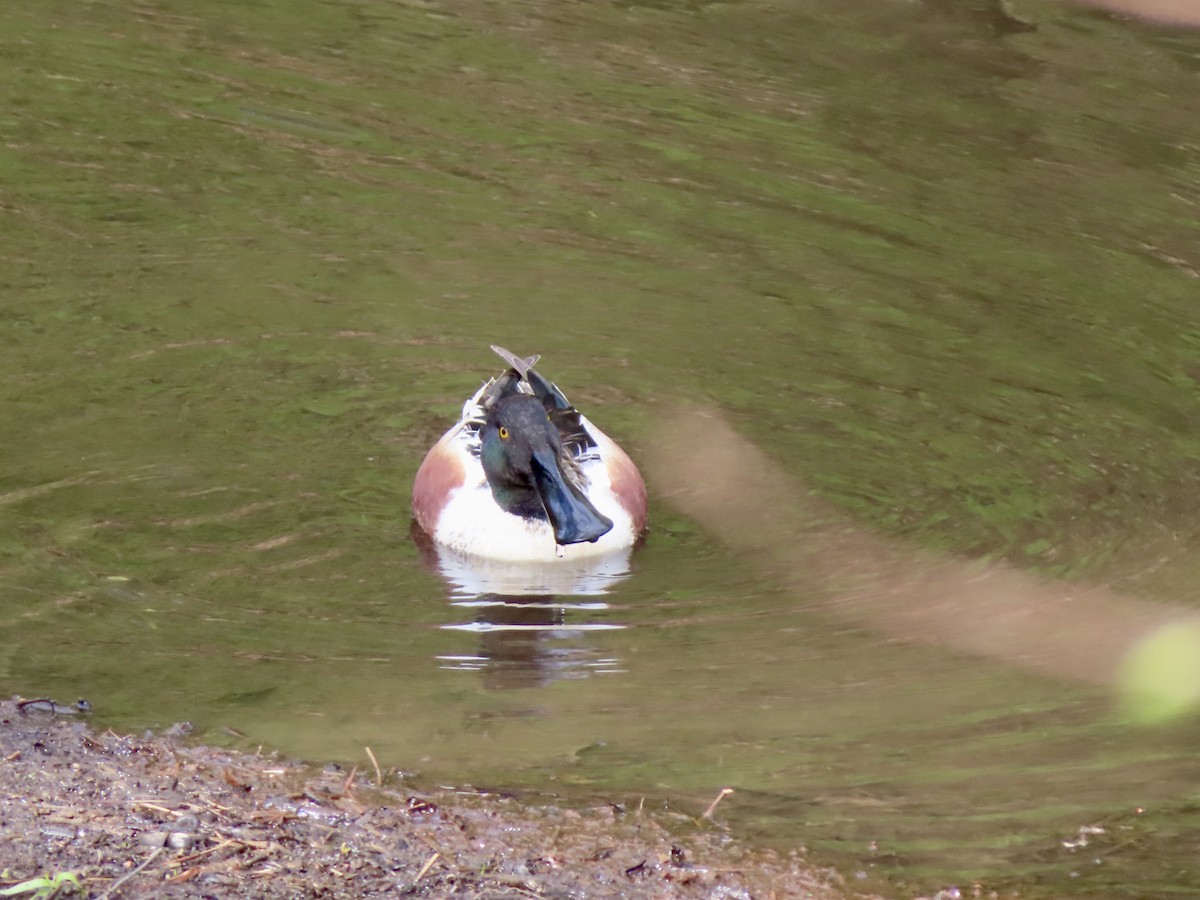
x=472 y=523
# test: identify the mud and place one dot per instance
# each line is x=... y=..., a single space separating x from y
x=152 y=816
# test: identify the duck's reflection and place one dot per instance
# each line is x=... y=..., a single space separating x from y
x=531 y=641
x=535 y=622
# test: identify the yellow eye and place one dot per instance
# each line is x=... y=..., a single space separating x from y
x=503 y=433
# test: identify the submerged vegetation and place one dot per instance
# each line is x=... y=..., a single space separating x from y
x=950 y=270
x=944 y=274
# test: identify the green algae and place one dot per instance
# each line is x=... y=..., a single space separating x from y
x=253 y=256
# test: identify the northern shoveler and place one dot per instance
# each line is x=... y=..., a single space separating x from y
x=524 y=477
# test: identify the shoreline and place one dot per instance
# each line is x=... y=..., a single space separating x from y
x=154 y=816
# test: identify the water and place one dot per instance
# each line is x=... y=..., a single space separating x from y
x=943 y=271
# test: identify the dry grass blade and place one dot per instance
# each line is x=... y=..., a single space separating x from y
x=712 y=806
x=425 y=868
x=375 y=763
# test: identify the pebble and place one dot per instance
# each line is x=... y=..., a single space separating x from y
x=181 y=840
x=175 y=840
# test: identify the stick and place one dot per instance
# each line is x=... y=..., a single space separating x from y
x=375 y=763
x=712 y=806
x=425 y=868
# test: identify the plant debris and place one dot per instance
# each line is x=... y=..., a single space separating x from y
x=153 y=817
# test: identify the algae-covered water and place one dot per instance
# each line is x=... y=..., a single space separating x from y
x=938 y=260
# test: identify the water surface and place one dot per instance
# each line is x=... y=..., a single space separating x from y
x=944 y=270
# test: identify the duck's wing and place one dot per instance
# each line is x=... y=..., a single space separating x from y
x=575 y=439
x=515 y=380
x=522 y=376
x=534 y=383
x=521 y=364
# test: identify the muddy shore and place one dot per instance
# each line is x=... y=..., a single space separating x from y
x=152 y=816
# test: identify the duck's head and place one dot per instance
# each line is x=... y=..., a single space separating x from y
x=530 y=475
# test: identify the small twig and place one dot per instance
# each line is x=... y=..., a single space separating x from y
x=258 y=857
x=185 y=875
x=375 y=763
x=184 y=860
x=348 y=784
x=712 y=806
x=425 y=868
x=146 y=804
x=116 y=885
x=268 y=871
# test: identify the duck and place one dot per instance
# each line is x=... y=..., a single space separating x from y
x=523 y=476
